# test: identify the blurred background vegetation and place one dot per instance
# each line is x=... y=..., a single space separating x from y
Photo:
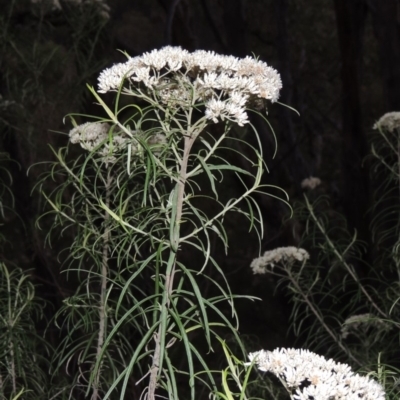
x=340 y=65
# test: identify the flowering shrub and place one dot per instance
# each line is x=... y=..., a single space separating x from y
x=134 y=212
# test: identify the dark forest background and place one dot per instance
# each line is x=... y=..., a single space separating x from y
x=340 y=66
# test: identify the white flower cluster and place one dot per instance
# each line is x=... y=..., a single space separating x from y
x=389 y=121
x=310 y=183
x=362 y=323
x=92 y=135
x=95 y=135
x=225 y=84
x=312 y=377
x=283 y=255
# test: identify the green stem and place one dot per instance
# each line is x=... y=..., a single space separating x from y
x=1 y=385
x=231 y=205
x=320 y=318
x=13 y=371
x=396 y=246
x=341 y=258
x=103 y=290
x=11 y=322
x=160 y=336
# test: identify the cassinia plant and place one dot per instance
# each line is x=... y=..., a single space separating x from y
x=141 y=245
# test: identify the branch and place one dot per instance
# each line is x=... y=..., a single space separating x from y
x=103 y=289
x=159 y=337
x=341 y=259
x=318 y=315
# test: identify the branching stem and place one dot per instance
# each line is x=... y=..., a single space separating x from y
x=170 y=273
x=103 y=289
x=341 y=258
x=318 y=315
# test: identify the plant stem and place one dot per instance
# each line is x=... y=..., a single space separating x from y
x=13 y=372
x=1 y=386
x=11 y=322
x=342 y=260
x=103 y=289
x=231 y=205
x=319 y=316
x=396 y=246
x=170 y=273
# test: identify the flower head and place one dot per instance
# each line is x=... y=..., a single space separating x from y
x=280 y=255
x=313 y=377
x=362 y=323
x=94 y=135
x=310 y=183
x=389 y=121
x=108 y=143
x=173 y=76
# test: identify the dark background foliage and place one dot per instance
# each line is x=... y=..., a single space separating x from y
x=340 y=65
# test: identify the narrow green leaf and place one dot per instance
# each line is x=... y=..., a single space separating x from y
x=104 y=105
x=200 y=300
x=226 y=386
x=209 y=174
x=176 y=316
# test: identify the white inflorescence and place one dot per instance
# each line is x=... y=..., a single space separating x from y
x=225 y=84
x=362 y=323
x=390 y=121
x=313 y=377
x=91 y=135
x=310 y=183
x=280 y=255
x=96 y=135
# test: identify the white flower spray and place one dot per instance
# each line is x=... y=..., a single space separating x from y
x=95 y=135
x=308 y=376
x=389 y=121
x=363 y=323
x=179 y=79
x=108 y=142
x=310 y=183
x=281 y=255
